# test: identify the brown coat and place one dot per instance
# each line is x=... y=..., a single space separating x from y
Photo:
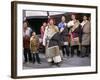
x=75 y=34
x=26 y=42
x=34 y=44
x=86 y=36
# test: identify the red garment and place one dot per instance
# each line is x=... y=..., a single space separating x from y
x=42 y=31
x=26 y=42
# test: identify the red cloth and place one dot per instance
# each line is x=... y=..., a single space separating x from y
x=74 y=35
x=26 y=42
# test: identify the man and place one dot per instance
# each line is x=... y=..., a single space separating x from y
x=75 y=34
x=86 y=37
x=64 y=36
x=51 y=43
x=26 y=41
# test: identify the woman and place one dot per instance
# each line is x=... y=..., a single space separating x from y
x=43 y=29
x=34 y=45
x=75 y=33
x=51 y=42
x=86 y=36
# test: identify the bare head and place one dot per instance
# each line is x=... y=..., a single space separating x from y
x=44 y=24
x=63 y=18
x=84 y=17
x=25 y=24
x=33 y=34
x=51 y=21
x=73 y=16
x=90 y=18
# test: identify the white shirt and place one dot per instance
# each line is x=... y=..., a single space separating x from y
x=83 y=23
x=27 y=32
x=70 y=23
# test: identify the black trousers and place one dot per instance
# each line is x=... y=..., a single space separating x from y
x=73 y=48
x=27 y=55
x=85 y=50
x=36 y=57
x=65 y=50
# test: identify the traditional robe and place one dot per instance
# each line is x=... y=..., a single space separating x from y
x=64 y=36
x=51 y=41
x=34 y=44
x=86 y=33
x=75 y=33
x=26 y=42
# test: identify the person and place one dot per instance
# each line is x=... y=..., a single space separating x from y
x=26 y=29
x=34 y=46
x=64 y=35
x=42 y=29
x=26 y=42
x=89 y=49
x=86 y=33
x=51 y=42
x=75 y=33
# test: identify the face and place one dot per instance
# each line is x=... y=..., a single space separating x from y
x=89 y=18
x=51 y=22
x=25 y=25
x=84 y=18
x=63 y=19
x=44 y=24
x=33 y=34
x=73 y=17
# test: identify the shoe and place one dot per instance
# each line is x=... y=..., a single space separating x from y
x=72 y=55
x=39 y=63
x=50 y=64
x=78 y=55
x=57 y=64
x=30 y=61
x=24 y=62
x=82 y=56
x=87 y=55
x=33 y=62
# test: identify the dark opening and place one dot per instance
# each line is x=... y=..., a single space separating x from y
x=36 y=23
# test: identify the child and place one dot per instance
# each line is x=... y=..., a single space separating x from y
x=34 y=45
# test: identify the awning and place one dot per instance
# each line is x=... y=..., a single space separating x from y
x=29 y=13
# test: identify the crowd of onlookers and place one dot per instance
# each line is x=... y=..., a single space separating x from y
x=69 y=38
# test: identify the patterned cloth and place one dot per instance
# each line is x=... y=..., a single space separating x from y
x=75 y=33
x=86 y=33
x=26 y=42
x=51 y=43
x=34 y=44
x=52 y=51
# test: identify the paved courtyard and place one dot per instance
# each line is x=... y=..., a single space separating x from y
x=67 y=62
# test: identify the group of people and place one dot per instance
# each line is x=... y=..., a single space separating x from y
x=66 y=38
x=30 y=44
